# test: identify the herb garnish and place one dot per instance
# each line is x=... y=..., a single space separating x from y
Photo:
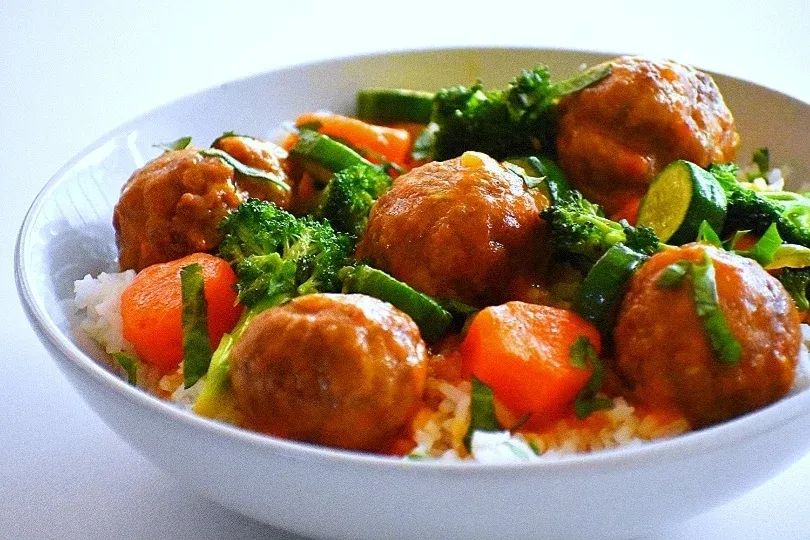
x=196 y=344
x=707 y=235
x=704 y=292
x=582 y=354
x=180 y=144
x=130 y=365
x=245 y=169
x=707 y=305
x=673 y=275
x=482 y=411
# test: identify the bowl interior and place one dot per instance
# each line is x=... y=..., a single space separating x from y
x=68 y=233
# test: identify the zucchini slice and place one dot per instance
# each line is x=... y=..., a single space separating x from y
x=389 y=105
x=679 y=199
x=602 y=290
x=323 y=156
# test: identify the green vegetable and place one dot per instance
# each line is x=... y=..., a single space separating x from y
x=582 y=354
x=796 y=282
x=602 y=290
x=753 y=211
x=274 y=252
x=276 y=257
x=766 y=247
x=673 y=275
x=228 y=134
x=196 y=344
x=581 y=233
x=715 y=326
x=245 y=169
x=762 y=160
x=323 y=156
x=390 y=105
x=707 y=235
x=347 y=199
x=542 y=173
x=515 y=121
x=180 y=144
x=432 y=319
x=679 y=199
x=482 y=411
x=129 y=363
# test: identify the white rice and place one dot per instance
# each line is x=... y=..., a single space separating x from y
x=438 y=431
x=100 y=298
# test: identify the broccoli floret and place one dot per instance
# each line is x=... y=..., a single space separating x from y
x=347 y=199
x=749 y=210
x=497 y=122
x=581 y=232
x=512 y=122
x=276 y=254
x=796 y=281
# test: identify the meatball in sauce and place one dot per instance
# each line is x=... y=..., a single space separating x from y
x=172 y=206
x=464 y=229
x=663 y=353
x=616 y=135
x=333 y=369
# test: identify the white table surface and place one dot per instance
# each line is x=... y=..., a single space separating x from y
x=69 y=73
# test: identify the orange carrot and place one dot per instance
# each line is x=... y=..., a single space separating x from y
x=151 y=308
x=522 y=351
x=374 y=142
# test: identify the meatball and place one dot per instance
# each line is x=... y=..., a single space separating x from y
x=172 y=206
x=616 y=135
x=333 y=369
x=262 y=155
x=663 y=354
x=465 y=229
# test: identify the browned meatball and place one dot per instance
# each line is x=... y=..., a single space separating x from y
x=465 y=229
x=616 y=135
x=663 y=353
x=172 y=206
x=262 y=155
x=333 y=369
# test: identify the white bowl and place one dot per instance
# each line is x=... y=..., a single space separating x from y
x=329 y=493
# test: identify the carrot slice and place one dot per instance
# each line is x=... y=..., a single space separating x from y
x=522 y=351
x=151 y=308
x=374 y=142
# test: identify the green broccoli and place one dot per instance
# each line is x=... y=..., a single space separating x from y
x=749 y=210
x=276 y=257
x=502 y=123
x=347 y=199
x=277 y=254
x=796 y=281
x=581 y=232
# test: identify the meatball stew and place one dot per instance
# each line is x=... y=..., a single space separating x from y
x=454 y=272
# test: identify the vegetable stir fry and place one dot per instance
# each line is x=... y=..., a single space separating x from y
x=555 y=261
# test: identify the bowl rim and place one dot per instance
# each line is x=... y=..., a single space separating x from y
x=62 y=348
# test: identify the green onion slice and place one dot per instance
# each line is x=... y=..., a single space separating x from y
x=196 y=344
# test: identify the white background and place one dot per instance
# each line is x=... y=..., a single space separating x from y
x=69 y=72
